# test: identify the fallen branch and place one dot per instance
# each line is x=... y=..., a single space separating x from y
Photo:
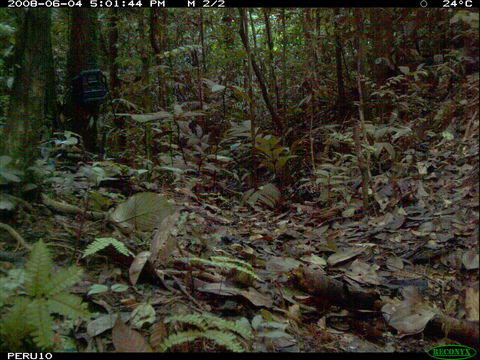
x=15 y=235
x=327 y=291
x=71 y=209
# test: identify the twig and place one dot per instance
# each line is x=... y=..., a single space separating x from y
x=184 y=291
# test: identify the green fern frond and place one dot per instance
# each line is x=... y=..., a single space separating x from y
x=38 y=269
x=38 y=315
x=221 y=338
x=212 y=327
x=102 y=243
x=222 y=324
x=68 y=305
x=227 y=259
x=191 y=319
x=225 y=339
x=180 y=338
x=228 y=265
x=13 y=327
x=62 y=280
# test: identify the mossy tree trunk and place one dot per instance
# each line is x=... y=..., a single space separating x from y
x=82 y=55
x=32 y=101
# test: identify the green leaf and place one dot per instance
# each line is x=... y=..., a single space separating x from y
x=5 y=160
x=217 y=88
x=119 y=287
x=9 y=175
x=97 y=289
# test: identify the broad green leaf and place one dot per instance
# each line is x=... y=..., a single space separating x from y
x=142 y=211
x=97 y=289
x=119 y=287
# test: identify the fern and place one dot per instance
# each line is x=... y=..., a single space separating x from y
x=233 y=326
x=191 y=319
x=102 y=243
x=38 y=315
x=14 y=329
x=227 y=259
x=229 y=263
x=47 y=293
x=219 y=330
x=38 y=269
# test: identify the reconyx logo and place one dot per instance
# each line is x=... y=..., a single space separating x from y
x=448 y=352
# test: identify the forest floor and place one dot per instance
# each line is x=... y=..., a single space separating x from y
x=416 y=255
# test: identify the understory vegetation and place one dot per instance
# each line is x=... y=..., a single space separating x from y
x=262 y=179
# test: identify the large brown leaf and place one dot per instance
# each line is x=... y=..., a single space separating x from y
x=143 y=211
x=128 y=340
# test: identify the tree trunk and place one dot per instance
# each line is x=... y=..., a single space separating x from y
x=202 y=41
x=32 y=100
x=261 y=81
x=157 y=41
x=251 y=114
x=113 y=50
x=268 y=30
x=284 y=67
x=338 y=62
x=359 y=127
x=82 y=55
x=200 y=59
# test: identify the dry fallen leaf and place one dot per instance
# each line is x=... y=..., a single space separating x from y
x=344 y=255
x=137 y=266
x=252 y=295
x=128 y=340
x=164 y=243
x=409 y=316
x=470 y=259
x=364 y=273
x=472 y=303
x=143 y=314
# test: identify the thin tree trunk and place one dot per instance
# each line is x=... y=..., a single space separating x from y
x=275 y=119
x=145 y=83
x=251 y=108
x=113 y=50
x=363 y=161
x=270 y=55
x=284 y=66
x=200 y=61
x=310 y=46
x=119 y=121
x=202 y=42
x=338 y=61
x=158 y=46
